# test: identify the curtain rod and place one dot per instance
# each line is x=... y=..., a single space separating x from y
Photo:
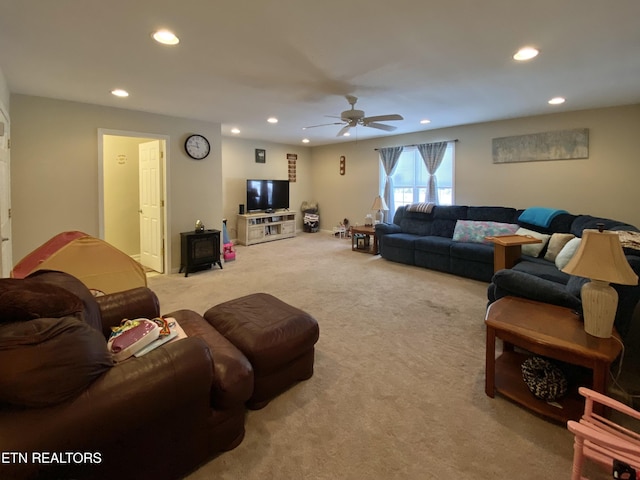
x=416 y=144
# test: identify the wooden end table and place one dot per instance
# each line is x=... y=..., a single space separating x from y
x=550 y=331
x=372 y=242
x=508 y=249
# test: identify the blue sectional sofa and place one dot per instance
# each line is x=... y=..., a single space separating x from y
x=437 y=240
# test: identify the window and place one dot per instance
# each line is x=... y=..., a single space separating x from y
x=410 y=178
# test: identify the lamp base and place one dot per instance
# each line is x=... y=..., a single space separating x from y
x=379 y=216
x=599 y=304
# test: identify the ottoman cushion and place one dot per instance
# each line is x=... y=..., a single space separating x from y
x=277 y=338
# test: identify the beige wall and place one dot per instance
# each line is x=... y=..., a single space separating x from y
x=55 y=177
x=55 y=170
x=605 y=184
x=238 y=164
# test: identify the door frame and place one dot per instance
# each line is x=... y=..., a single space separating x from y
x=7 y=245
x=165 y=189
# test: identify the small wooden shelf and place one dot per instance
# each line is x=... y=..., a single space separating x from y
x=509 y=382
x=266 y=227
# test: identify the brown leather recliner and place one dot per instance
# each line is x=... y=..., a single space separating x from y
x=66 y=411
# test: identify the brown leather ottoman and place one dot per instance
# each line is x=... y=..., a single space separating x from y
x=278 y=340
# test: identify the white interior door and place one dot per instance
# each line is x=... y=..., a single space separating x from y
x=151 y=204
x=6 y=262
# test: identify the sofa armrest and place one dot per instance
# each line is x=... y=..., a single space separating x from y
x=387 y=228
x=233 y=373
x=138 y=302
x=139 y=397
x=520 y=284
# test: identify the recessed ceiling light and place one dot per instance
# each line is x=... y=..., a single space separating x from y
x=235 y=130
x=425 y=121
x=525 y=53
x=346 y=134
x=556 y=101
x=165 y=37
x=272 y=120
x=118 y=92
x=305 y=140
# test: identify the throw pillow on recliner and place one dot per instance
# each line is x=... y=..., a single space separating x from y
x=90 y=311
x=22 y=300
x=46 y=361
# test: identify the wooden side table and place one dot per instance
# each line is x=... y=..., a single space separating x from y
x=508 y=249
x=371 y=244
x=550 y=331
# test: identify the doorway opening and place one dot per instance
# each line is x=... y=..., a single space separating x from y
x=132 y=171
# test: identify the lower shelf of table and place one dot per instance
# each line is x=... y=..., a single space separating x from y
x=509 y=382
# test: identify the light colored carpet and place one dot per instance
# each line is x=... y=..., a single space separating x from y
x=398 y=389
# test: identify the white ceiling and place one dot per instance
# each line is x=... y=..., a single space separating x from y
x=240 y=61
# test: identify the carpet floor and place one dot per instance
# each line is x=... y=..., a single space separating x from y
x=398 y=388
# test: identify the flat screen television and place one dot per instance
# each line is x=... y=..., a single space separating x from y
x=267 y=195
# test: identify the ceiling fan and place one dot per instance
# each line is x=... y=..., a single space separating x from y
x=353 y=118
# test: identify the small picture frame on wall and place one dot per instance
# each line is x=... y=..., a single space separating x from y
x=261 y=155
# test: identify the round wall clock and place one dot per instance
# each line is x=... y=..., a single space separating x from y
x=197 y=147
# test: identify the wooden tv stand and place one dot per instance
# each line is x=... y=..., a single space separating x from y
x=265 y=227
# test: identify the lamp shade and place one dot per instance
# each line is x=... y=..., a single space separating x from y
x=379 y=204
x=600 y=257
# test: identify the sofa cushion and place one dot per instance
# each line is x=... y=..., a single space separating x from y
x=475 y=252
x=587 y=221
x=494 y=214
x=450 y=212
x=46 y=361
x=416 y=223
x=556 y=242
x=22 y=300
x=443 y=227
x=533 y=249
x=401 y=240
x=567 y=252
x=542 y=269
x=90 y=311
x=476 y=231
x=437 y=245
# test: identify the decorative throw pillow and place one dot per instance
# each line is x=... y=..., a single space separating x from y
x=556 y=242
x=534 y=249
x=90 y=311
x=22 y=300
x=475 y=231
x=49 y=360
x=567 y=252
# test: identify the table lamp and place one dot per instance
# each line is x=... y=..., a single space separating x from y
x=380 y=206
x=601 y=259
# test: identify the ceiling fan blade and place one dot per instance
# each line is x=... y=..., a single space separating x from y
x=343 y=130
x=382 y=118
x=380 y=126
x=323 y=125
